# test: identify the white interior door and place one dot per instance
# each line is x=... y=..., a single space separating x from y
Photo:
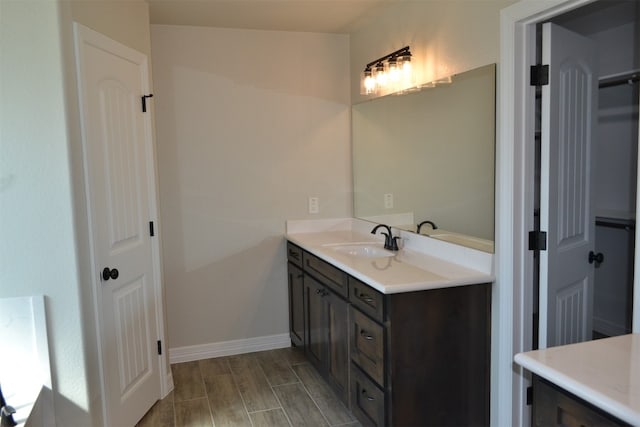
x=115 y=140
x=569 y=107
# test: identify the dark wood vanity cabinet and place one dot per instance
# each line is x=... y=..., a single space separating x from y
x=296 y=295
x=320 y=306
x=420 y=358
x=553 y=406
x=407 y=359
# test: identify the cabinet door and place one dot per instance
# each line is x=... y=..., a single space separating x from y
x=554 y=406
x=315 y=337
x=296 y=305
x=337 y=311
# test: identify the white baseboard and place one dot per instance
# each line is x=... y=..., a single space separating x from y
x=228 y=348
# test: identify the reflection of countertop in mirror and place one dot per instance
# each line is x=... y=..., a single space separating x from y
x=411 y=269
x=461 y=239
x=605 y=372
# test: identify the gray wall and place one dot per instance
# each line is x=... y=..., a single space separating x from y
x=37 y=232
x=252 y=123
x=249 y=124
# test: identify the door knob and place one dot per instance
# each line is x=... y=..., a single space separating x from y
x=598 y=258
x=108 y=273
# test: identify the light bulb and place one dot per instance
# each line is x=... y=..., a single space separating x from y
x=405 y=65
x=381 y=75
x=394 y=71
x=406 y=68
x=368 y=82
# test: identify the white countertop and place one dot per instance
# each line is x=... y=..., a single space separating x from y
x=605 y=373
x=408 y=270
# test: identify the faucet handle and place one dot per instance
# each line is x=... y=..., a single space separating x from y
x=394 y=243
x=391 y=242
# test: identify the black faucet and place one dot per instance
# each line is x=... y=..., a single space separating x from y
x=435 y=227
x=390 y=242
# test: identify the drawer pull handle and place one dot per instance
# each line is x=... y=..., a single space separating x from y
x=322 y=292
x=366 y=335
x=293 y=254
x=366 y=395
x=366 y=298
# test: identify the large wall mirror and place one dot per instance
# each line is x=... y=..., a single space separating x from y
x=430 y=155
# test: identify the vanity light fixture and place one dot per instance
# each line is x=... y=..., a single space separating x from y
x=390 y=71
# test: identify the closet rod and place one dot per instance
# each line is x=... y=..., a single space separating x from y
x=627 y=225
x=620 y=80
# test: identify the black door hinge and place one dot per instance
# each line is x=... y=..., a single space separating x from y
x=151 y=230
x=529 y=396
x=539 y=75
x=537 y=240
x=144 y=102
x=159 y=348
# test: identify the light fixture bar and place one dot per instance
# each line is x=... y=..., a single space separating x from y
x=389 y=72
x=400 y=52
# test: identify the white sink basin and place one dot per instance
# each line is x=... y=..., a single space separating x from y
x=363 y=250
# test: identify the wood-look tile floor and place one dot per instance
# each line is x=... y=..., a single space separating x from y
x=274 y=388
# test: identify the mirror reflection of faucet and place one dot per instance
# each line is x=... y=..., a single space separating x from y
x=390 y=242
x=386 y=261
x=431 y=223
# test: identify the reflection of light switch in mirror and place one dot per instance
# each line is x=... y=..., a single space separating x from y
x=314 y=205
x=388 y=201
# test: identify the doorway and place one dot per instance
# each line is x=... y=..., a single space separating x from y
x=600 y=303
x=513 y=319
x=120 y=189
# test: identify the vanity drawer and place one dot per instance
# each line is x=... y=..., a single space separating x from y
x=294 y=254
x=367 y=400
x=367 y=345
x=366 y=299
x=334 y=278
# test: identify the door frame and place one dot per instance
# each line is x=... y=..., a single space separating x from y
x=513 y=291
x=83 y=34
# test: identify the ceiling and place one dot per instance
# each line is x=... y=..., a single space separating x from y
x=323 y=16
x=599 y=16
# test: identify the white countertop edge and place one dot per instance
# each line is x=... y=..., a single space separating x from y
x=607 y=404
x=474 y=279
x=418 y=286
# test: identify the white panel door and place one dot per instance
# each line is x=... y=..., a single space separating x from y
x=569 y=104
x=116 y=139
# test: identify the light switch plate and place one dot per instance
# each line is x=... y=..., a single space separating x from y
x=314 y=205
x=388 y=201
